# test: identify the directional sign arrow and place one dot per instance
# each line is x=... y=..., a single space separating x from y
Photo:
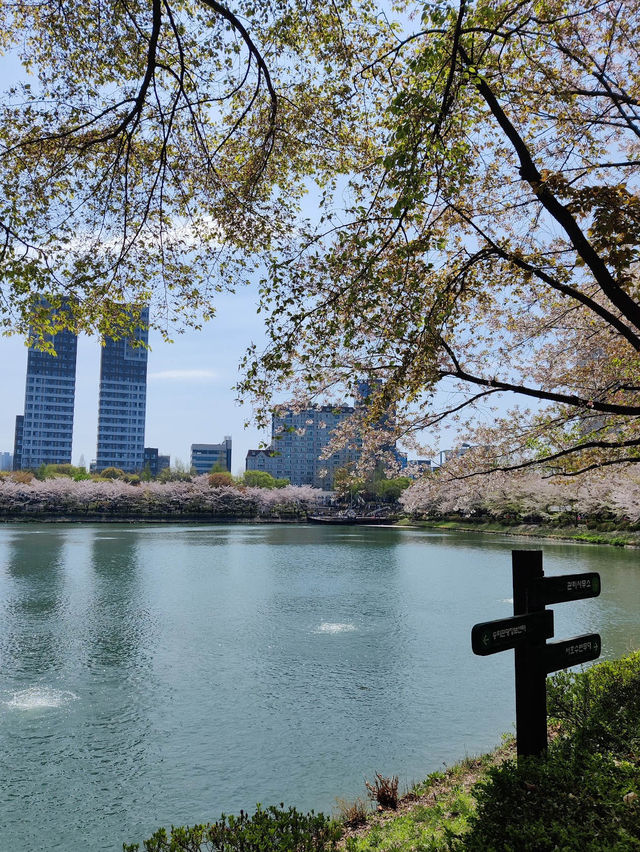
x=490 y=637
x=571 y=652
x=567 y=587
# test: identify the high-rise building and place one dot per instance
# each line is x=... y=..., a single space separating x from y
x=206 y=456
x=45 y=432
x=123 y=400
x=298 y=439
x=6 y=461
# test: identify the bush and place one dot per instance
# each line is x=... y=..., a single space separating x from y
x=221 y=479
x=112 y=473
x=577 y=798
x=262 y=479
x=352 y=813
x=270 y=830
x=600 y=707
x=566 y=802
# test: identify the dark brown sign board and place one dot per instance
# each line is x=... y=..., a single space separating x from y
x=567 y=587
x=491 y=637
x=571 y=652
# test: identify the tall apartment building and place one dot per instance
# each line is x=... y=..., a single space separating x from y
x=45 y=432
x=206 y=456
x=123 y=401
x=297 y=441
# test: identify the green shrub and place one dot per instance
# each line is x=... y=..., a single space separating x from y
x=566 y=802
x=600 y=707
x=576 y=798
x=270 y=830
x=112 y=473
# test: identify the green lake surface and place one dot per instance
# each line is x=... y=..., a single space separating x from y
x=158 y=675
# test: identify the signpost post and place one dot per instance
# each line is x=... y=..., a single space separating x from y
x=527 y=631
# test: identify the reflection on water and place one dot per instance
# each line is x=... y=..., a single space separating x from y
x=158 y=675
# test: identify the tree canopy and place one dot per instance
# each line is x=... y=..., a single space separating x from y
x=491 y=245
x=474 y=168
x=146 y=155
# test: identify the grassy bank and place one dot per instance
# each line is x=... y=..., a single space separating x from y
x=615 y=537
x=583 y=797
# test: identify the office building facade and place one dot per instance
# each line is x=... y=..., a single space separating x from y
x=154 y=462
x=298 y=438
x=123 y=401
x=206 y=456
x=44 y=434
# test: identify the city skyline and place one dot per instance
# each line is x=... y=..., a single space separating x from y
x=190 y=398
x=189 y=394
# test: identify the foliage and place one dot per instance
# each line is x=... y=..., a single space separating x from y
x=112 y=473
x=384 y=791
x=530 y=495
x=569 y=801
x=376 y=486
x=22 y=496
x=352 y=813
x=174 y=474
x=46 y=471
x=600 y=706
x=268 y=830
x=22 y=476
x=577 y=798
x=151 y=144
x=221 y=479
x=474 y=167
x=347 y=484
x=262 y=479
x=426 y=828
x=489 y=247
x=390 y=489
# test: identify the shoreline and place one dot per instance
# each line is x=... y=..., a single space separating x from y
x=615 y=538
x=580 y=535
x=135 y=519
x=437 y=793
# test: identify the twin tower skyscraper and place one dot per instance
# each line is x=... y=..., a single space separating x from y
x=44 y=433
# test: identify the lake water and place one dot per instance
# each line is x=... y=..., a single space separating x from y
x=164 y=674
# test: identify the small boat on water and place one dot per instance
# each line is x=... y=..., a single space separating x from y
x=351 y=517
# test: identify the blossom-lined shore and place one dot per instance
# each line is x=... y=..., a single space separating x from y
x=62 y=498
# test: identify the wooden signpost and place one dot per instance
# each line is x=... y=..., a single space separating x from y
x=527 y=631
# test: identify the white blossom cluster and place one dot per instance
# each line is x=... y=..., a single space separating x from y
x=530 y=493
x=63 y=497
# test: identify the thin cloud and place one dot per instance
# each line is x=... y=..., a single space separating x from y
x=185 y=375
